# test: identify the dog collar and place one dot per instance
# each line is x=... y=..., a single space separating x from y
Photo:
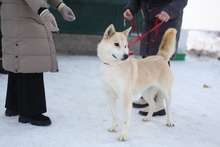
x=106 y=63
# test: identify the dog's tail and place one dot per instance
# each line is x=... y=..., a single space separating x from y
x=168 y=44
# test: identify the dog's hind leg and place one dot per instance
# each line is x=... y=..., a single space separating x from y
x=168 y=96
x=127 y=106
x=149 y=95
x=112 y=103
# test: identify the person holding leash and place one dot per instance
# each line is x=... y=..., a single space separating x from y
x=28 y=51
x=169 y=11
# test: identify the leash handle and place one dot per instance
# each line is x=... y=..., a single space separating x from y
x=141 y=37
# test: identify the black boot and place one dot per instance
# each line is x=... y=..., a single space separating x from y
x=2 y=70
x=10 y=112
x=141 y=103
x=38 y=120
x=158 y=113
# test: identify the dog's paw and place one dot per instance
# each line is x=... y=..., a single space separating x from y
x=146 y=119
x=122 y=138
x=113 y=129
x=170 y=125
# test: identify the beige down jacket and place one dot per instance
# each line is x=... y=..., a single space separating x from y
x=27 y=44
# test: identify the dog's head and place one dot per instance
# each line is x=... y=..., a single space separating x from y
x=114 y=45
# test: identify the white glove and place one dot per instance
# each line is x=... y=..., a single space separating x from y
x=49 y=20
x=66 y=12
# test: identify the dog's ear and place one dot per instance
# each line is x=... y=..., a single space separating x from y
x=126 y=32
x=109 y=31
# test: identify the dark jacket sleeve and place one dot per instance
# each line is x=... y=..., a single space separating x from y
x=175 y=7
x=134 y=6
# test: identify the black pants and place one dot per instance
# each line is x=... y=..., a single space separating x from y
x=0 y=44
x=26 y=93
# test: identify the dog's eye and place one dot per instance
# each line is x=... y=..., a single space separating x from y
x=116 y=44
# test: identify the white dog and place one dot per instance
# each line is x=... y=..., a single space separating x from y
x=124 y=77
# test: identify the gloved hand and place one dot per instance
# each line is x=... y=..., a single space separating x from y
x=66 y=12
x=49 y=20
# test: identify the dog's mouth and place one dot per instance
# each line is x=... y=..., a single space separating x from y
x=114 y=56
x=125 y=56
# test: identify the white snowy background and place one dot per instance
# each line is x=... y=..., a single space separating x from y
x=81 y=115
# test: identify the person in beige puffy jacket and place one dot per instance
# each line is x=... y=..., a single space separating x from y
x=2 y=70
x=28 y=51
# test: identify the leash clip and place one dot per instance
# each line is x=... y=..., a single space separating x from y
x=152 y=40
x=124 y=22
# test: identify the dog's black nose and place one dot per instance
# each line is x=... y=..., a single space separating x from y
x=125 y=56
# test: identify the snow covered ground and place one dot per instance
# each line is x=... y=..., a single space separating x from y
x=81 y=115
x=204 y=43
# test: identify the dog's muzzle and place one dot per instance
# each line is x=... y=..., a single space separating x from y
x=125 y=56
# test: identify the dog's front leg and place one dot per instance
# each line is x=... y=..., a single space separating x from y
x=127 y=105
x=112 y=103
